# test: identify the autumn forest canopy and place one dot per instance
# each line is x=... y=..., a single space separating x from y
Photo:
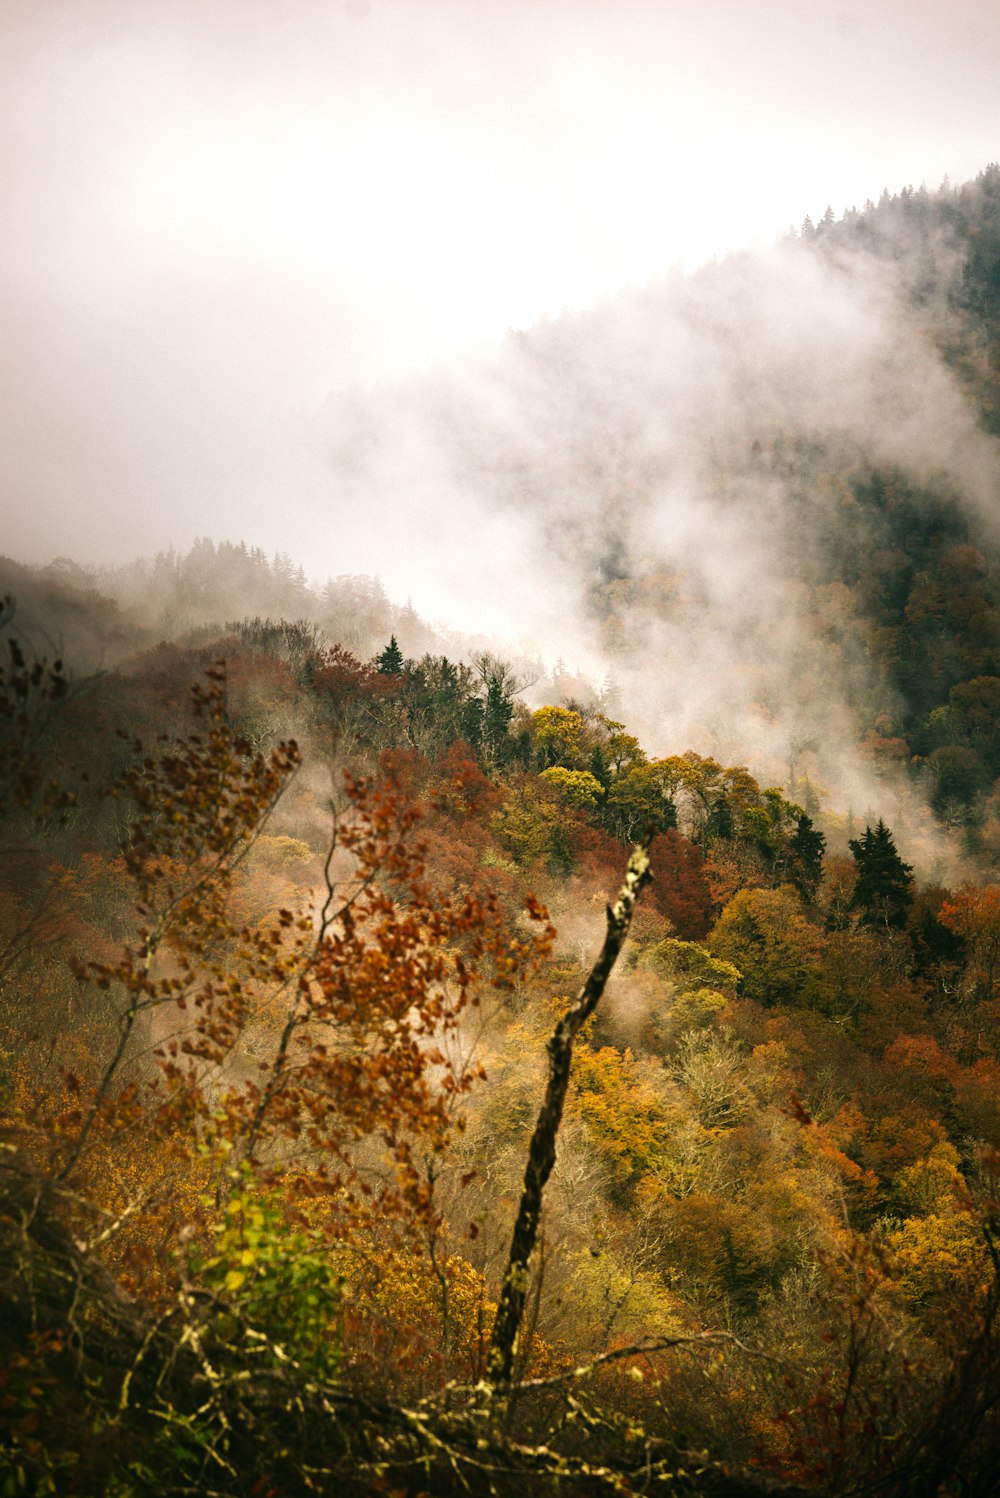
x=336 y=1154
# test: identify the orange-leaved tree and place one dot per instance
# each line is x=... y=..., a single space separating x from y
x=974 y=915
x=285 y=1045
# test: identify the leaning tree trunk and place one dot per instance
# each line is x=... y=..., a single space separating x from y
x=542 y=1150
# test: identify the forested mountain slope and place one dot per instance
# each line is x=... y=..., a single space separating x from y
x=294 y=894
x=766 y=496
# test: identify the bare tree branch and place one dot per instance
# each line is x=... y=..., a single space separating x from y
x=542 y=1150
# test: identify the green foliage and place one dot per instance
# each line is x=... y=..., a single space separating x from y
x=390 y=660
x=766 y=934
x=492 y=713
x=277 y=1291
x=883 y=892
x=690 y=967
x=807 y=846
x=531 y=825
x=640 y=800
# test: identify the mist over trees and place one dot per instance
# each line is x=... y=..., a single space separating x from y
x=301 y=896
x=726 y=486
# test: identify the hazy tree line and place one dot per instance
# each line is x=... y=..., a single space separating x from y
x=274 y=1040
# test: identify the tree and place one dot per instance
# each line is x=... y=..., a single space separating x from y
x=974 y=915
x=558 y=733
x=620 y=751
x=681 y=889
x=542 y=1149
x=807 y=846
x=494 y=708
x=767 y=936
x=344 y=1009
x=578 y=788
x=436 y=693
x=390 y=660
x=641 y=799
x=29 y=690
x=496 y=713
x=195 y=811
x=883 y=892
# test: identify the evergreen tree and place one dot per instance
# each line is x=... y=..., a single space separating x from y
x=390 y=660
x=492 y=712
x=883 y=892
x=498 y=710
x=599 y=767
x=808 y=846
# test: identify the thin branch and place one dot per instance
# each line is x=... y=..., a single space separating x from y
x=692 y=1342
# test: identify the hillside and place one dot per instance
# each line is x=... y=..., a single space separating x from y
x=778 y=472
x=300 y=900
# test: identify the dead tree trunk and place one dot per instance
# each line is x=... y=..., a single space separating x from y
x=542 y=1150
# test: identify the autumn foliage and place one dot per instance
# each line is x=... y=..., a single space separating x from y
x=276 y=1031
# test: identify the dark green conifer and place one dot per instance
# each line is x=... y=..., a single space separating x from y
x=808 y=846
x=883 y=892
x=390 y=660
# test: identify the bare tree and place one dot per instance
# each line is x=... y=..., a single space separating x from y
x=542 y=1150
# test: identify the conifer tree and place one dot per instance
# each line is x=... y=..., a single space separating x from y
x=390 y=660
x=883 y=892
x=808 y=846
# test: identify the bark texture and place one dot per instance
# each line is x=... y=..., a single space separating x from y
x=542 y=1150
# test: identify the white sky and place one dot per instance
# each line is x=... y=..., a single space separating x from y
x=216 y=211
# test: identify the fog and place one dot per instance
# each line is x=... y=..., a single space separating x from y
x=598 y=485
x=218 y=214
x=385 y=287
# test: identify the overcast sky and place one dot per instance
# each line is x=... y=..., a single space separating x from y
x=218 y=211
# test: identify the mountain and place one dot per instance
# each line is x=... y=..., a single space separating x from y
x=762 y=499
x=315 y=1177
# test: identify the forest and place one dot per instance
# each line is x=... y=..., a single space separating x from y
x=338 y=1156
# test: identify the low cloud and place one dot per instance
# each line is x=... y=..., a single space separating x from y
x=640 y=489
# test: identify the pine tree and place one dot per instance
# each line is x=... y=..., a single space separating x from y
x=498 y=710
x=883 y=892
x=808 y=846
x=390 y=660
